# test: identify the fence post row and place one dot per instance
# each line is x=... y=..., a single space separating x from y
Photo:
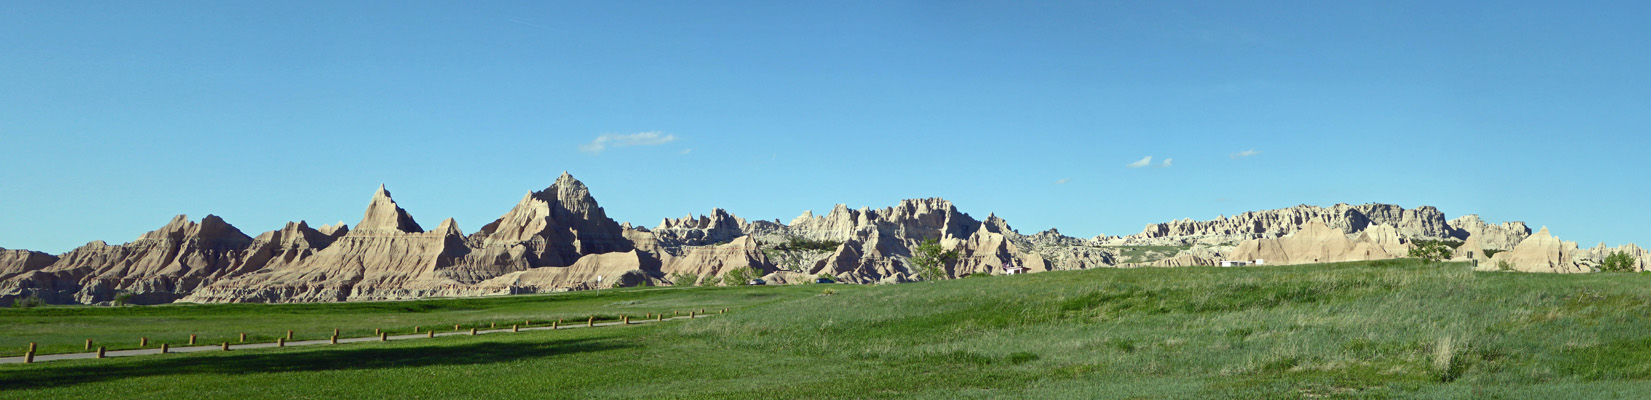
x=102 y=351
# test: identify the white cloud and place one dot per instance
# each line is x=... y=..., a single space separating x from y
x=1145 y=161
x=635 y=139
x=685 y=151
x=1062 y=181
x=1245 y=153
x=1167 y=162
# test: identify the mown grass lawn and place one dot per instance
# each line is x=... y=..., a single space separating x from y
x=1394 y=329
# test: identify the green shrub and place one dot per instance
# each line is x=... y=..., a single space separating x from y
x=739 y=276
x=28 y=302
x=1617 y=262
x=123 y=298
x=683 y=278
x=1431 y=250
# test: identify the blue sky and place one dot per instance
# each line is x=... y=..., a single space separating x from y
x=114 y=116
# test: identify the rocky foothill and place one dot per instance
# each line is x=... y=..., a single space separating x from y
x=559 y=239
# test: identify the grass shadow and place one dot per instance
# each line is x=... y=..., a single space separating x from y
x=323 y=360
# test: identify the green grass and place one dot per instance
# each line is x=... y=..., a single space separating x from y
x=1386 y=329
x=1144 y=254
x=65 y=329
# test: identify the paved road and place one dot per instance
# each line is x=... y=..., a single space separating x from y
x=219 y=347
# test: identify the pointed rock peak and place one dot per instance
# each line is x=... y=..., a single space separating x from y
x=1543 y=232
x=448 y=227
x=384 y=215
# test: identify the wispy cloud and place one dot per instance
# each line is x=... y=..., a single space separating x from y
x=1167 y=162
x=1245 y=153
x=635 y=139
x=1145 y=161
x=685 y=151
x=1062 y=181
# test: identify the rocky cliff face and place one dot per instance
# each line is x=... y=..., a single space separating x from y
x=1493 y=237
x=1542 y=252
x=159 y=267
x=1317 y=242
x=1423 y=222
x=14 y=262
x=556 y=226
x=717 y=227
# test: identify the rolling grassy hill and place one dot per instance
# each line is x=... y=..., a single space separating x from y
x=1355 y=330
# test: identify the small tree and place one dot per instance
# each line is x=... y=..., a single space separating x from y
x=1431 y=252
x=1617 y=262
x=123 y=298
x=684 y=278
x=739 y=276
x=826 y=276
x=930 y=260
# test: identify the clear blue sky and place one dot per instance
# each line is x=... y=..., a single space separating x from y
x=114 y=116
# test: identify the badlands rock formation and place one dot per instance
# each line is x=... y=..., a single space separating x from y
x=1542 y=252
x=560 y=239
x=14 y=262
x=1317 y=242
x=1420 y=223
x=1494 y=237
x=159 y=267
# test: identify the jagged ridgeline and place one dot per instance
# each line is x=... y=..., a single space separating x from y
x=559 y=239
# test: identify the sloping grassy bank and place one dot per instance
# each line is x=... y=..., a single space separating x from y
x=1355 y=330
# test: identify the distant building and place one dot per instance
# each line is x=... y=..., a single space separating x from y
x=1012 y=269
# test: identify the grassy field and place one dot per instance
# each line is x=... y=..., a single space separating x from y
x=1356 y=330
x=1145 y=254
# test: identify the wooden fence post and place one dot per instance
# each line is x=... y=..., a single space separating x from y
x=415 y=330
x=455 y=327
x=191 y=339
x=88 y=344
x=100 y=352
x=383 y=337
x=627 y=320
x=28 y=358
x=289 y=334
x=166 y=347
x=280 y=342
x=335 y=331
x=430 y=334
x=377 y=331
x=691 y=314
x=32 y=347
x=660 y=317
x=492 y=325
x=333 y=339
x=515 y=328
x=591 y=322
x=554 y=325
x=527 y=323
x=100 y=349
x=143 y=342
x=243 y=337
x=472 y=331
